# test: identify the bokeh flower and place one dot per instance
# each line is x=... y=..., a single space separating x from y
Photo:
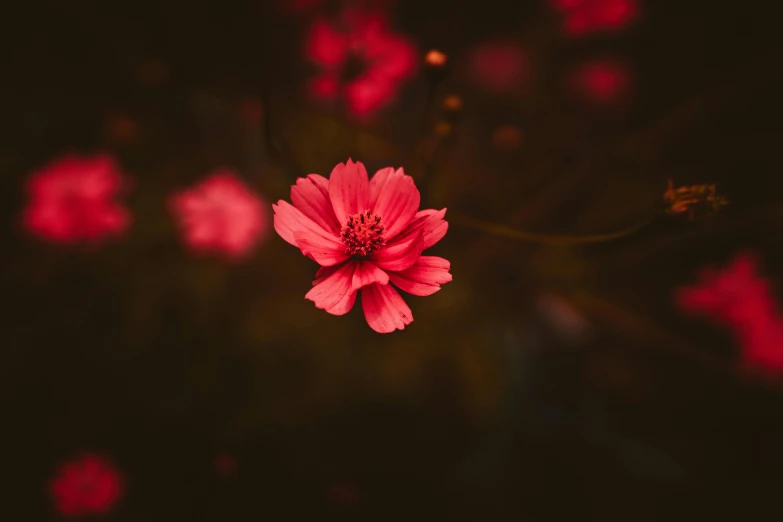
x=365 y=233
x=739 y=298
x=89 y=485
x=360 y=59
x=220 y=214
x=582 y=17
x=601 y=82
x=74 y=199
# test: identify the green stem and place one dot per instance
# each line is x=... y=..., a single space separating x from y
x=496 y=229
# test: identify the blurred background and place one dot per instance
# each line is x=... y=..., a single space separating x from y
x=545 y=382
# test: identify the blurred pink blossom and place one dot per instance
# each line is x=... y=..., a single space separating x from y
x=89 y=485
x=743 y=301
x=74 y=199
x=220 y=214
x=582 y=17
x=498 y=66
x=360 y=59
x=601 y=81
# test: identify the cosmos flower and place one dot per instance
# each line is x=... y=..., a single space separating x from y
x=742 y=300
x=73 y=199
x=365 y=234
x=360 y=59
x=220 y=214
x=89 y=485
x=582 y=17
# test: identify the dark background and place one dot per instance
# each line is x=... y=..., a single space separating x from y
x=478 y=410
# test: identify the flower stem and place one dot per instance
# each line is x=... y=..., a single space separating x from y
x=496 y=229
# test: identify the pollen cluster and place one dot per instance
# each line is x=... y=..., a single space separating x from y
x=362 y=234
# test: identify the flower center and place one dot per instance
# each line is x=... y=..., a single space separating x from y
x=362 y=234
x=355 y=65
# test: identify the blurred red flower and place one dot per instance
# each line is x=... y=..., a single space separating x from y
x=498 y=66
x=89 y=485
x=73 y=199
x=582 y=17
x=220 y=214
x=365 y=234
x=601 y=81
x=360 y=58
x=742 y=300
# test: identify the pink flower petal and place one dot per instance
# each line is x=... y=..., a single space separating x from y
x=377 y=183
x=325 y=86
x=349 y=189
x=311 y=196
x=384 y=308
x=289 y=220
x=432 y=225
x=400 y=254
x=344 y=305
x=424 y=277
x=395 y=59
x=334 y=292
x=366 y=274
x=324 y=272
x=325 y=45
x=394 y=197
x=367 y=94
x=324 y=250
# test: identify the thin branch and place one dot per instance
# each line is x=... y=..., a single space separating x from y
x=547 y=239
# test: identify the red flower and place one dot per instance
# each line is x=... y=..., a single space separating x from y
x=742 y=300
x=89 y=485
x=763 y=345
x=359 y=57
x=601 y=81
x=588 y=16
x=73 y=199
x=365 y=234
x=220 y=214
